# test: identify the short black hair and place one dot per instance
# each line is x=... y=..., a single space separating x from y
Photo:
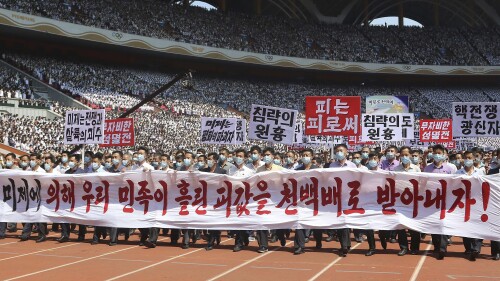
x=256 y=147
x=340 y=145
x=118 y=152
x=307 y=149
x=270 y=149
x=214 y=155
x=393 y=146
x=143 y=148
x=405 y=147
x=240 y=150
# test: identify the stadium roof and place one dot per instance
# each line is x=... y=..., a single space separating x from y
x=427 y=12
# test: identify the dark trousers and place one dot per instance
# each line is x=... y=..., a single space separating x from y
x=3 y=228
x=113 y=234
x=212 y=237
x=241 y=238
x=186 y=235
x=300 y=239
x=402 y=239
x=344 y=238
x=66 y=230
x=281 y=233
x=440 y=242
x=153 y=235
x=28 y=228
x=98 y=232
x=144 y=234
x=370 y=237
x=415 y=240
x=261 y=236
x=472 y=244
x=495 y=247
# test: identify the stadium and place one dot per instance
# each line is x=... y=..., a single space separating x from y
x=171 y=67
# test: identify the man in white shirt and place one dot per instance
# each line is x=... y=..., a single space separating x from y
x=240 y=170
x=255 y=155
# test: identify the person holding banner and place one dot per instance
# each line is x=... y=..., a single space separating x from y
x=472 y=245
x=438 y=166
x=291 y=160
x=74 y=168
x=117 y=167
x=389 y=164
x=255 y=155
x=341 y=161
x=97 y=168
x=267 y=167
x=495 y=245
x=372 y=165
x=35 y=162
x=240 y=170
x=302 y=235
x=406 y=166
x=213 y=158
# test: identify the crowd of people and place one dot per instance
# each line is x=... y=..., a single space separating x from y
x=172 y=119
x=243 y=163
x=271 y=34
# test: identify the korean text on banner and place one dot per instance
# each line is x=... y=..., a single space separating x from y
x=387 y=127
x=119 y=132
x=218 y=130
x=272 y=124
x=84 y=126
x=476 y=119
x=323 y=199
x=436 y=130
x=334 y=116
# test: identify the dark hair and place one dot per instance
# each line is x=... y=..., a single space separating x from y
x=256 y=147
x=393 y=146
x=98 y=155
x=270 y=149
x=78 y=157
x=89 y=153
x=439 y=147
x=143 y=148
x=373 y=154
x=36 y=155
x=11 y=155
x=240 y=150
x=118 y=152
x=340 y=145
x=214 y=155
x=52 y=158
x=405 y=147
x=307 y=149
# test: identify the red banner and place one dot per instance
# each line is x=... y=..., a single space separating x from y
x=119 y=132
x=436 y=130
x=334 y=116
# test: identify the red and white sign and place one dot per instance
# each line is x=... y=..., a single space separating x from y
x=456 y=205
x=436 y=130
x=119 y=132
x=334 y=116
x=356 y=140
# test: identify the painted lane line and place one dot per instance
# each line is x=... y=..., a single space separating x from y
x=41 y=251
x=472 y=276
x=245 y=263
x=75 y=262
x=331 y=264
x=158 y=263
x=277 y=268
x=374 y=272
x=202 y=264
x=420 y=263
x=112 y=259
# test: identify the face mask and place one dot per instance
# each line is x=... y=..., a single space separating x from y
x=438 y=158
x=135 y=159
x=405 y=160
x=64 y=159
x=415 y=160
x=124 y=162
x=255 y=157
x=340 y=156
x=140 y=157
x=356 y=161
x=364 y=155
x=86 y=159
x=390 y=155
x=163 y=164
x=23 y=164
x=178 y=164
x=154 y=164
x=249 y=160
x=277 y=162
x=210 y=163
x=9 y=164
x=429 y=156
x=32 y=164
x=106 y=165
x=372 y=164
x=230 y=160
x=71 y=164
x=115 y=161
x=187 y=162
x=306 y=160
x=238 y=160
x=289 y=160
x=222 y=158
x=268 y=159
x=468 y=163
x=46 y=167
x=95 y=166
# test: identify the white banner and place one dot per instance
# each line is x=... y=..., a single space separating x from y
x=329 y=141
x=272 y=124
x=299 y=132
x=84 y=126
x=218 y=130
x=387 y=127
x=476 y=119
x=322 y=198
